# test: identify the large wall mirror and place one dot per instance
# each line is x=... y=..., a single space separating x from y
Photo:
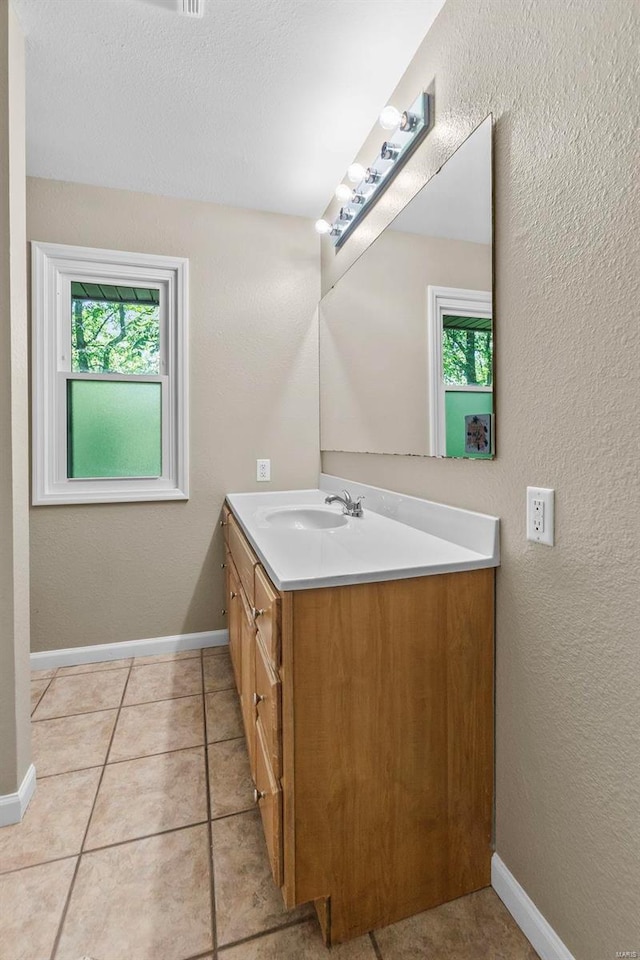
x=406 y=334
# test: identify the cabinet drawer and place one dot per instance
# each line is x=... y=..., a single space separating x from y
x=235 y=612
x=268 y=704
x=243 y=557
x=268 y=614
x=269 y=796
x=224 y=523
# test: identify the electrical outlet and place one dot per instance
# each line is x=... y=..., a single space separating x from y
x=263 y=470
x=540 y=519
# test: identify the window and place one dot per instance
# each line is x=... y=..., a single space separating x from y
x=467 y=351
x=110 y=399
x=460 y=369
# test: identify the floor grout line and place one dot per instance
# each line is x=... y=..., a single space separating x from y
x=66 y=715
x=160 y=753
x=33 y=709
x=61 y=773
x=65 y=909
x=212 y=890
x=212 y=743
x=40 y=863
x=124 y=706
x=376 y=945
x=266 y=933
x=81 y=673
x=109 y=846
x=144 y=836
x=236 y=813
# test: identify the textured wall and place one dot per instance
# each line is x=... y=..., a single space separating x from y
x=560 y=79
x=15 y=745
x=107 y=572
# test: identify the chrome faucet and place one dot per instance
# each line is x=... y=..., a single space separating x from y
x=352 y=508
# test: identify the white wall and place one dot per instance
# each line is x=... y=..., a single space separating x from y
x=108 y=572
x=15 y=741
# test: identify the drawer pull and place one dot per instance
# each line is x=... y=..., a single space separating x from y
x=223 y=612
x=233 y=595
x=223 y=523
x=257 y=698
x=258 y=795
x=257 y=613
x=223 y=565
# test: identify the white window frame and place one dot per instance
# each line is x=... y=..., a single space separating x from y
x=453 y=301
x=54 y=266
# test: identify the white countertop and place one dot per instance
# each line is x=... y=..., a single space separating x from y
x=370 y=548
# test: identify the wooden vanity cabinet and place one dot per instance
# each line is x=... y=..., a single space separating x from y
x=234 y=611
x=369 y=716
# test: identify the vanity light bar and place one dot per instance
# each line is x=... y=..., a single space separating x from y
x=409 y=129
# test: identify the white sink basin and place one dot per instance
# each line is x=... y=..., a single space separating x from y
x=305 y=518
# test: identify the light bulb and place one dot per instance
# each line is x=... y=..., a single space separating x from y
x=355 y=173
x=390 y=118
x=322 y=226
x=343 y=192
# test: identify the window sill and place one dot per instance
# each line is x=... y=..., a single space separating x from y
x=68 y=497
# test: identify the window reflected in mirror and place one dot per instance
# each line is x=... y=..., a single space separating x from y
x=467 y=361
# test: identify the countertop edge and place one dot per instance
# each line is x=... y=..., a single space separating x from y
x=344 y=580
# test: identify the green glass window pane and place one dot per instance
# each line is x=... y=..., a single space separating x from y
x=467 y=351
x=457 y=405
x=114 y=429
x=114 y=329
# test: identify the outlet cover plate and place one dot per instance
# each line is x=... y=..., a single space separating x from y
x=263 y=470
x=540 y=515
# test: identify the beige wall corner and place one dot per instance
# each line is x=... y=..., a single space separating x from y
x=561 y=82
x=15 y=749
x=113 y=572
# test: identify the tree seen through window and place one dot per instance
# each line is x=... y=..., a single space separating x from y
x=467 y=351
x=115 y=335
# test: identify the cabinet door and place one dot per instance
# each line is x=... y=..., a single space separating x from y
x=268 y=697
x=248 y=687
x=234 y=609
x=269 y=796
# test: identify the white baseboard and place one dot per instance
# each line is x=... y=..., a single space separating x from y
x=73 y=656
x=538 y=932
x=13 y=805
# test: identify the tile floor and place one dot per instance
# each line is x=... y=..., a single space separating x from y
x=142 y=841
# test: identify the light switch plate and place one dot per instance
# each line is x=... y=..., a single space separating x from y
x=540 y=515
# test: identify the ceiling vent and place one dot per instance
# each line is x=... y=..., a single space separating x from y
x=192 y=8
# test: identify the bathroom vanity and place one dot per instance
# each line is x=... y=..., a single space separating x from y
x=363 y=655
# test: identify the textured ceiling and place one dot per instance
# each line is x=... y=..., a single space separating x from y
x=261 y=103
